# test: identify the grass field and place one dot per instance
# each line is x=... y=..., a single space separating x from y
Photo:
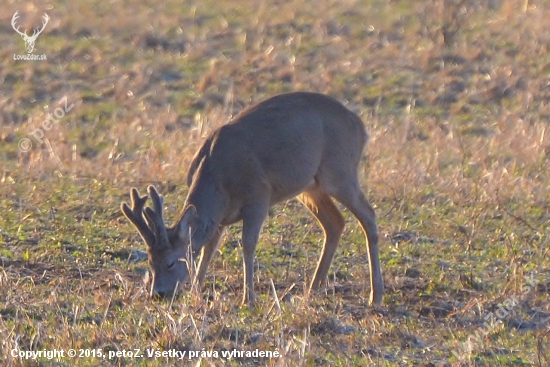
x=455 y=95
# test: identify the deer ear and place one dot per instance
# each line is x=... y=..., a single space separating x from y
x=185 y=222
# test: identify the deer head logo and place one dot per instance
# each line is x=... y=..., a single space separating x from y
x=29 y=40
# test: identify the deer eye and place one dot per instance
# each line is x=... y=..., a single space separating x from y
x=171 y=266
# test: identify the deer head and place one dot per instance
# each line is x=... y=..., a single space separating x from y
x=168 y=247
x=29 y=40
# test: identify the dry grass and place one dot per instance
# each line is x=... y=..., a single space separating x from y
x=456 y=101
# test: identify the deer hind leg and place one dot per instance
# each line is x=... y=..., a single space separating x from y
x=321 y=205
x=208 y=252
x=353 y=198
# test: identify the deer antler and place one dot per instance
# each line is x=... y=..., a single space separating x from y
x=13 y=19
x=36 y=32
x=148 y=221
x=135 y=215
x=154 y=216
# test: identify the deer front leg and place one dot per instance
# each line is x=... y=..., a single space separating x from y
x=253 y=219
x=208 y=252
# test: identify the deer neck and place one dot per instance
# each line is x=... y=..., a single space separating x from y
x=208 y=198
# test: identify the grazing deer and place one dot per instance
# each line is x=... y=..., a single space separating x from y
x=303 y=144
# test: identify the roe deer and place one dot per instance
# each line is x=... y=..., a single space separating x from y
x=304 y=144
